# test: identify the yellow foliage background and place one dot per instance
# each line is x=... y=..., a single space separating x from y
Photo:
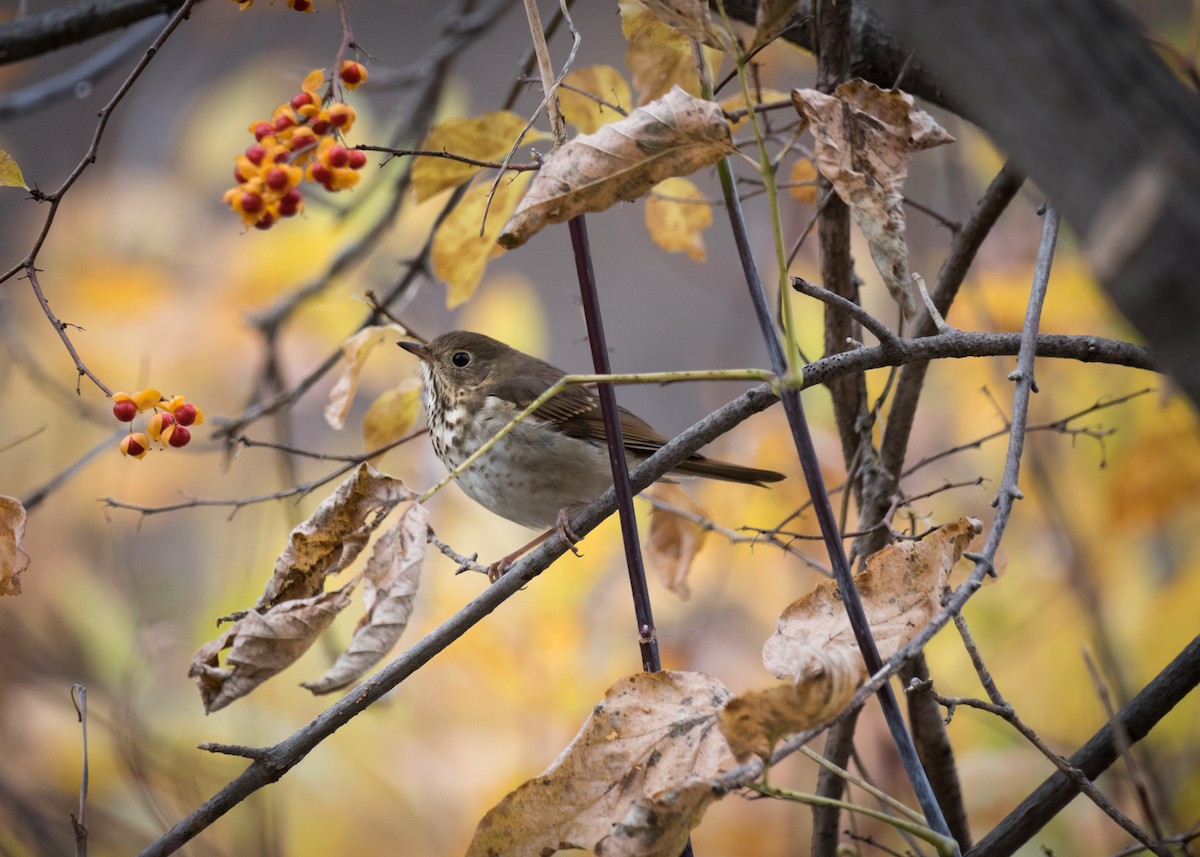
x=1101 y=555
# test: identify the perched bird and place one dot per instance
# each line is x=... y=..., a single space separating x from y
x=551 y=462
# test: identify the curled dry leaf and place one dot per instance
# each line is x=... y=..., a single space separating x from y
x=489 y=137
x=460 y=253
x=355 y=350
x=658 y=57
x=392 y=415
x=13 y=560
x=293 y=609
x=864 y=139
x=652 y=733
x=771 y=19
x=262 y=644
x=390 y=583
x=813 y=647
x=674 y=136
x=674 y=539
x=601 y=83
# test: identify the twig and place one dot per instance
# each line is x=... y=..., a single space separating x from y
x=79 y=821
x=880 y=330
x=449 y=156
x=465 y=563
x=930 y=306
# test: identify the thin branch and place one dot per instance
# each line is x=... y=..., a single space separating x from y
x=449 y=156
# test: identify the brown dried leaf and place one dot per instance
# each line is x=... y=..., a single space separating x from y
x=659 y=827
x=460 y=253
x=484 y=138
x=689 y=18
x=392 y=415
x=771 y=18
x=333 y=535
x=391 y=578
x=356 y=348
x=658 y=57
x=814 y=649
x=674 y=136
x=587 y=114
x=13 y=560
x=652 y=733
x=864 y=139
x=674 y=540
x=262 y=644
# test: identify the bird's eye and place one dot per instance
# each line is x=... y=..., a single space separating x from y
x=460 y=359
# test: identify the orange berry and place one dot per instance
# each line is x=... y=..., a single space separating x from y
x=263 y=129
x=353 y=73
x=179 y=437
x=289 y=204
x=251 y=203
x=302 y=99
x=256 y=153
x=277 y=179
x=337 y=156
x=135 y=444
x=265 y=222
x=358 y=159
x=284 y=121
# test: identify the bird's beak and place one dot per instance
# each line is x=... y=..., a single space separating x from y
x=421 y=351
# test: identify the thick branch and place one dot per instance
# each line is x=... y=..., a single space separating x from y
x=38 y=34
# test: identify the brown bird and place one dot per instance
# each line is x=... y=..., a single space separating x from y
x=555 y=459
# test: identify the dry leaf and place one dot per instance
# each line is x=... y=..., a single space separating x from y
x=13 y=560
x=659 y=827
x=489 y=137
x=737 y=102
x=460 y=254
x=864 y=139
x=333 y=535
x=814 y=649
x=771 y=19
x=658 y=57
x=390 y=583
x=355 y=350
x=261 y=645
x=585 y=113
x=803 y=171
x=652 y=733
x=689 y=18
x=674 y=136
x=674 y=540
x=392 y=415
x=10 y=173
x=677 y=214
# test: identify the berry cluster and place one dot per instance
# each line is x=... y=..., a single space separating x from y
x=168 y=424
x=301 y=141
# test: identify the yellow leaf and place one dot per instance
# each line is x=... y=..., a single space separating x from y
x=460 y=254
x=484 y=138
x=355 y=350
x=313 y=80
x=674 y=136
x=737 y=102
x=676 y=223
x=803 y=171
x=13 y=560
x=658 y=56
x=585 y=112
x=391 y=416
x=10 y=173
x=689 y=18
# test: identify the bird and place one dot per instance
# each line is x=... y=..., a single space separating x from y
x=552 y=462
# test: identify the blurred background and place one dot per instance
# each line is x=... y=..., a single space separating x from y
x=162 y=286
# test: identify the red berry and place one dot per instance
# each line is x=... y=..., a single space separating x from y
x=321 y=126
x=124 y=411
x=339 y=118
x=321 y=174
x=289 y=203
x=185 y=414
x=277 y=179
x=283 y=121
x=263 y=129
x=352 y=73
x=301 y=5
x=302 y=99
x=237 y=175
x=357 y=159
x=251 y=203
x=256 y=153
x=265 y=222
x=338 y=156
x=303 y=140
x=180 y=437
